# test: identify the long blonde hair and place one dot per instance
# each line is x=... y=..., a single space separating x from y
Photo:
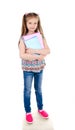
x=27 y=16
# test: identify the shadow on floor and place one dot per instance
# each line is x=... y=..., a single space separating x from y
x=38 y=124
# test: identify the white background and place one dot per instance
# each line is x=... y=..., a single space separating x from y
x=58 y=22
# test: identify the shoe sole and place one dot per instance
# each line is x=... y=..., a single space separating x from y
x=29 y=122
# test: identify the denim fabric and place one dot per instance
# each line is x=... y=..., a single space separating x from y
x=28 y=78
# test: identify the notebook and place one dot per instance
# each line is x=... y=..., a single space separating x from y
x=33 y=41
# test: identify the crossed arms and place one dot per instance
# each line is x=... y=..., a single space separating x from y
x=28 y=53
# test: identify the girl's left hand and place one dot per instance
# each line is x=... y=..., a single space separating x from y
x=29 y=50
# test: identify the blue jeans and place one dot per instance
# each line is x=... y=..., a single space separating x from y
x=28 y=78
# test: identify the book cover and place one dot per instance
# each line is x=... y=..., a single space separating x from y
x=34 y=41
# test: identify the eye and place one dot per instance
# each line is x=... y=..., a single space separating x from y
x=35 y=23
x=30 y=23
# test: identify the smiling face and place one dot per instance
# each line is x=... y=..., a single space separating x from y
x=32 y=24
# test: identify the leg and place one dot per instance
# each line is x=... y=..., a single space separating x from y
x=38 y=91
x=28 y=77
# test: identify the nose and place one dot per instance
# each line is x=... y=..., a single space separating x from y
x=33 y=25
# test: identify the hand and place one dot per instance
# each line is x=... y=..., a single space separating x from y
x=29 y=50
x=40 y=57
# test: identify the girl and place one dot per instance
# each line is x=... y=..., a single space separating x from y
x=32 y=64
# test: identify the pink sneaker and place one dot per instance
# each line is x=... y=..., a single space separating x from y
x=29 y=118
x=43 y=113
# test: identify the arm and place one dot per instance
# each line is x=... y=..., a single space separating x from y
x=44 y=51
x=24 y=55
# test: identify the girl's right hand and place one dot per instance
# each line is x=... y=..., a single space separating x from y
x=40 y=57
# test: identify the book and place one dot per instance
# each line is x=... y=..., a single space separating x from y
x=33 y=41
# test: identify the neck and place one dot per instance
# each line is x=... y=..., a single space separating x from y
x=30 y=32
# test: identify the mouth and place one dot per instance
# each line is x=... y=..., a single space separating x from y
x=32 y=28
